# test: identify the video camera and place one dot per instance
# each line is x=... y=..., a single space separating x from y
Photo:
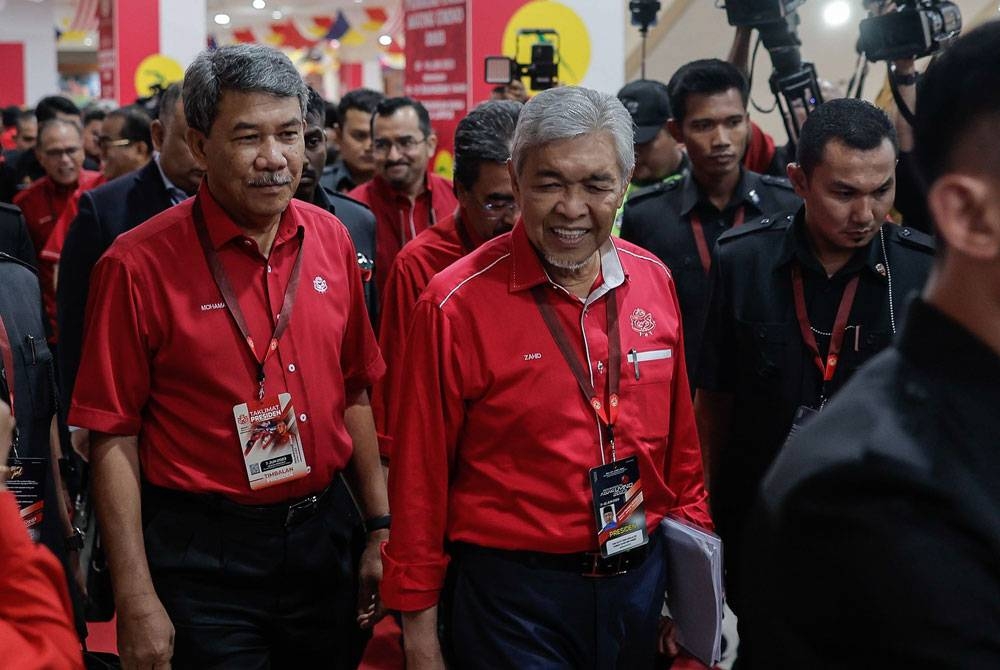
x=917 y=28
x=543 y=68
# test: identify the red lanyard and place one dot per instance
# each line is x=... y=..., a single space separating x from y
x=829 y=368
x=699 y=237
x=233 y=305
x=607 y=414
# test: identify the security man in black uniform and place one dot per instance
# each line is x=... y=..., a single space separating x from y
x=14 y=237
x=799 y=302
x=680 y=221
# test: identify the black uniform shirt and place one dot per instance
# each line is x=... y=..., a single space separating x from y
x=659 y=219
x=753 y=346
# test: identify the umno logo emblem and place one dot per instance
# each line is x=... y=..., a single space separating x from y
x=642 y=322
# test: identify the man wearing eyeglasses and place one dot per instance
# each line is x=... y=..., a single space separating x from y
x=405 y=197
x=486 y=209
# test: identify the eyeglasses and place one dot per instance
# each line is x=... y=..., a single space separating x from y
x=69 y=152
x=104 y=142
x=405 y=144
x=497 y=209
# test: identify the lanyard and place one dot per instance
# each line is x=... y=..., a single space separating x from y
x=829 y=368
x=8 y=373
x=699 y=237
x=607 y=415
x=233 y=305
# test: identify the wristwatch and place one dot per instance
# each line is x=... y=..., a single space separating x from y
x=904 y=79
x=378 y=523
x=75 y=541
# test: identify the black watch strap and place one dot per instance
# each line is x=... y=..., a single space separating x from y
x=75 y=541
x=378 y=523
x=905 y=79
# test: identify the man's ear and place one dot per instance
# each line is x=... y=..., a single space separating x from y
x=196 y=142
x=432 y=143
x=967 y=215
x=800 y=182
x=157 y=131
x=674 y=128
x=515 y=187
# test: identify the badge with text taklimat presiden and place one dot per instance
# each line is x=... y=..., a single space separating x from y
x=269 y=440
x=618 y=508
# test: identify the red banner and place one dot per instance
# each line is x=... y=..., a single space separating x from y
x=107 y=50
x=12 y=82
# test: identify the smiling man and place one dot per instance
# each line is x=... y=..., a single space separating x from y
x=799 y=302
x=226 y=358
x=546 y=378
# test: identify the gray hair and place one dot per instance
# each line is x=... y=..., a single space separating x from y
x=570 y=111
x=244 y=68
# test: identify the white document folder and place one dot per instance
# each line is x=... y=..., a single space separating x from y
x=694 y=588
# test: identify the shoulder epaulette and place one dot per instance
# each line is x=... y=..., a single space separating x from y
x=7 y=258
x=341 y=196
x=8 y=208
x=756 y=225
x=652 y=189
x=913 y=238
x=780 y=182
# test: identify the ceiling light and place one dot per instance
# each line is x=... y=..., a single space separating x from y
x=222 y=19
x=259 y=4
x=87 y=41
x=384 y=40
x=836 y=13
x=276 y=14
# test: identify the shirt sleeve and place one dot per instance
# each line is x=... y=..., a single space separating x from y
x=115 y=360
x=36 y=626
x=426 y=431
x=685 y=475
x=360 y=360
x=717 y=360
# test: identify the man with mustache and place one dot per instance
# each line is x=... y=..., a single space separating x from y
x=680 y=221
x=406 y=198
x=486 y=209
x=359 y=219
x=207 y=322
x=798 y=303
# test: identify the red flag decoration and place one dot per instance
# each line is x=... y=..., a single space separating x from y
x=244 y=35
x=288 y=36
x=376 y=15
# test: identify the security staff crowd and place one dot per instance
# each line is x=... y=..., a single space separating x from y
x=301 y=393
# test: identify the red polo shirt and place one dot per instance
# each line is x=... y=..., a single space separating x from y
x=43 y=202
x=432 y=251
x=398 y=219
x=163 y=359
x=494 y=445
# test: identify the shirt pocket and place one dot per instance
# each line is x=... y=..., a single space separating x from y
x=763 y=351
x=649 y=395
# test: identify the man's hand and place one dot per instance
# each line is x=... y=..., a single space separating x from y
x=370 y=610
x=420 y=640
x=145 y=634
x=667 y=643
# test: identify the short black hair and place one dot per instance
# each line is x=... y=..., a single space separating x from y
x=707 y=76
x=856 y=123
x=959 y=91
x=10 y=115
x=315 y=107
x=166 y=103
x=136 y=126
x=26 y=115
x=390 y=106
x=361 y=99
x=94 y=114
x=484 y=135
x=49 y=106
x=330 y=118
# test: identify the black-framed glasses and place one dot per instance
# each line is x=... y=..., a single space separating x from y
x=497 y=209
x=69 y=152
x=405 y=144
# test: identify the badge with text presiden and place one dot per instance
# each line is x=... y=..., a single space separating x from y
x=27 y=483
x=618 y=508
x=269 y=440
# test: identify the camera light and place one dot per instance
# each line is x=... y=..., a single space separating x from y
x=836 y=13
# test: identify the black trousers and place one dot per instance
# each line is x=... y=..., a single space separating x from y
x=253 y=594
x=505 y=614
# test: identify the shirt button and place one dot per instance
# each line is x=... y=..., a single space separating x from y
x=268 y=269
x=302 y=417
x=247 y=243
x=291 y=367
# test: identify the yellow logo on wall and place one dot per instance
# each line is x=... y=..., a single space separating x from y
x=156 y=70
x=573 y=42
x=444 y=164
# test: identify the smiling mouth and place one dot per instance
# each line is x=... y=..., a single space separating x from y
x=569 y=235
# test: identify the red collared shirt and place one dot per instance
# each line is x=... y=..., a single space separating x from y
x=43 y=202
x=432 y=251
x=163 y=359
x=398 y=219
x=495 y=442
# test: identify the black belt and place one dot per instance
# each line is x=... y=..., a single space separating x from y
x=585 y=563
x=286 y=514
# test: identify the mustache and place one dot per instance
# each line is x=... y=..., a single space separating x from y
x=395 y=163
x=271 y=179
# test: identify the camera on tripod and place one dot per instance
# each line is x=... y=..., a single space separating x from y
x=917 y=28
x=542 y=69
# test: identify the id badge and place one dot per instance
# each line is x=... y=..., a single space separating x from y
x=269 y=441
x=803 y=415
x=618 y=508
x=27 y=483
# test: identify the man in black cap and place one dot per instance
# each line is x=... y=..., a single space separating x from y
x=658 y=156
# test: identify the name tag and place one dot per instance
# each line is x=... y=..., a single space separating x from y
x=269 y=441
x=618 y=506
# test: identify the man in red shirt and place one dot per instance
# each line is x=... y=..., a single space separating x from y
x=486 y=209
x=405 y=197
x=226 y=356
x=548 y=382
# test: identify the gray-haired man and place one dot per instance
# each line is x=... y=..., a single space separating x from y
x=547 y=382
x=226 y=358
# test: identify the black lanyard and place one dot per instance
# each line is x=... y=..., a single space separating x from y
x=607 y=414
x=233 y=305
x=7 y=354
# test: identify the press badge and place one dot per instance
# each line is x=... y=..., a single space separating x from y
x=269 y=440
x=618 y=508
x=27 y=483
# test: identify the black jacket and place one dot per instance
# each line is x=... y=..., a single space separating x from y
x=14 y=237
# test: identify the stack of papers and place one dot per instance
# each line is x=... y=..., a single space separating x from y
x=694 y=588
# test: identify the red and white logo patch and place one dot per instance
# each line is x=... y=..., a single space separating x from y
x=642 y=322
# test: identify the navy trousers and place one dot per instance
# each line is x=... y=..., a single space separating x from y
x=505 y=614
